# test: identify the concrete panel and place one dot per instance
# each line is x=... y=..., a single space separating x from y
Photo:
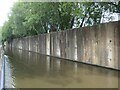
x=63 y=44
x=56 y=44
x=71 y=43
x=48 y=44
x=80 y=41
x=51 y=45
x=98 y=44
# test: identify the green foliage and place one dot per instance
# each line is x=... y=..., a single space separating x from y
x=7 y=32
x=33 y=18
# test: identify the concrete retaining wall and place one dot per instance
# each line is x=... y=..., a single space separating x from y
x=99 y=44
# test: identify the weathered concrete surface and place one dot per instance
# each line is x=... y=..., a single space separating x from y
x=98 y=45
x=1 y=66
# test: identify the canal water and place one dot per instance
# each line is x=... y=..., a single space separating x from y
x=25 y=69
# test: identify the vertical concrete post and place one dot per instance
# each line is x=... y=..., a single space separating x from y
x=48 y=44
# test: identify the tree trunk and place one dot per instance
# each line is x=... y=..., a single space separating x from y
x=72 y=22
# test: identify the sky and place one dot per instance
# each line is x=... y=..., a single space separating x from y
x=5 y=7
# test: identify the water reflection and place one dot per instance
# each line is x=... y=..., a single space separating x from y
x=33 y=70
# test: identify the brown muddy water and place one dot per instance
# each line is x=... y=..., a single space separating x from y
x=25 y=69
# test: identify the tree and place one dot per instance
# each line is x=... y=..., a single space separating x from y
x=7 y=32
x=93 y=12
x=33 y=18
